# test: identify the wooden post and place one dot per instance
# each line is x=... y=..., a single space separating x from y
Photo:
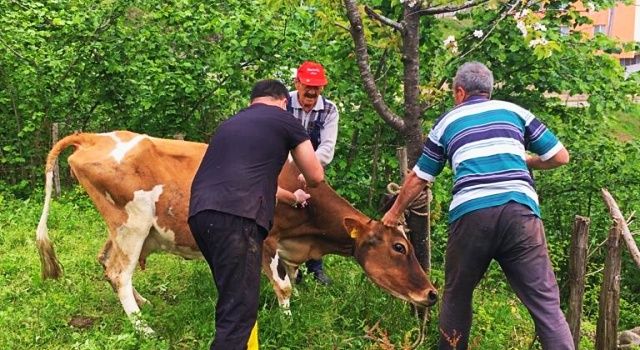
x=401 y=153
x=577 y=269
x=418 y=224
x=427 y=241
x=374 y=170
x=607 y=328
x=56 y=168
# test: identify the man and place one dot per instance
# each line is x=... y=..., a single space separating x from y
x=494 y=212
x=232 y=202
x=319 y=116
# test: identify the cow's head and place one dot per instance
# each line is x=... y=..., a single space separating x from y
x=388 y=259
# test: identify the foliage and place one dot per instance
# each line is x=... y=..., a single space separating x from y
x=182 y=66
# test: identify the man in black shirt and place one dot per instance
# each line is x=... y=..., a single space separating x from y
x=233 y=198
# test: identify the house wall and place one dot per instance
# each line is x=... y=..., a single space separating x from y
x=621 y=22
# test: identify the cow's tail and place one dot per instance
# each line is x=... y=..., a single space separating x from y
x=51 y=267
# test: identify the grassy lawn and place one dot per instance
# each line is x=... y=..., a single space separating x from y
x=626 y=125
x=81 y=311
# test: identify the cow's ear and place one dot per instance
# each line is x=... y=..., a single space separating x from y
x=354 y=227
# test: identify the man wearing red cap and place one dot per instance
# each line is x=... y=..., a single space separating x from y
x=319 y=117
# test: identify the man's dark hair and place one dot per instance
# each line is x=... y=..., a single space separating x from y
x=269 y=87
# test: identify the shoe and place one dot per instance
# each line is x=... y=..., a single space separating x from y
x=321 y=277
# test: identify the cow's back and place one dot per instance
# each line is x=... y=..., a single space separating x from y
x=112 y=167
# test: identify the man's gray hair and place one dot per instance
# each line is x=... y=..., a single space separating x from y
x=475 y=78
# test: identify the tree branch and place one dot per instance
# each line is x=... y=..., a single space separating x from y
x=339 y=25
x=382 y=19
x=449 y=8
x=499 y=18
x=17 y=54
x=362 y=58
x=501 y=15
x=619 y=221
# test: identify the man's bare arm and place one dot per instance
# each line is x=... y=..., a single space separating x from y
x=306 y=160
x=559 y=159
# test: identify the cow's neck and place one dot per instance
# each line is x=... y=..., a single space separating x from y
x=321 y=223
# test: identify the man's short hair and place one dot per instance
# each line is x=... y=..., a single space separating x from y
x=269 y=88
x=475 y=78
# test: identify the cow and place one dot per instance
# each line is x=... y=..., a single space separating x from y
x=141 y=186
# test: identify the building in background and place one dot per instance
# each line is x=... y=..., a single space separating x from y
x=621 y=22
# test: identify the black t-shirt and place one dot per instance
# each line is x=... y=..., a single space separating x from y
x=239 y=172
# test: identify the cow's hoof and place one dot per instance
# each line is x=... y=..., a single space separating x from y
x=141 y=326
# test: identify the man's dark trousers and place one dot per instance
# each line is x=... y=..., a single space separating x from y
x=232 y=246
x=514 y=236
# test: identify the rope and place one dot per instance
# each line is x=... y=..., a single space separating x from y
x=420 y=204
x=422 y=335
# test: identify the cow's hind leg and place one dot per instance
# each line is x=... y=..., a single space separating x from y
x=140 y=300
x=122 y=253
x=119 y=257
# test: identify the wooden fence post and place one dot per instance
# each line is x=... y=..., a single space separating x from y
x=56 y=167
x=418 y=224
x=607 y=328
x=401 y=153
x=428 y=232
x=577 y=269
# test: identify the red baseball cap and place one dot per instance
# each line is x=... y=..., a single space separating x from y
x=312 y=74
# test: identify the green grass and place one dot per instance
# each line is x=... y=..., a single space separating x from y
x=626 y=125
x=38 y=314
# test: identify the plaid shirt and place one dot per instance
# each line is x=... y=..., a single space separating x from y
x=326 y=126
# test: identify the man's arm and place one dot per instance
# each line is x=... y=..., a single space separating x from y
x=328 y=138
x=294 y=199
x=411 y=187
x=308 y=164
x=559 y=159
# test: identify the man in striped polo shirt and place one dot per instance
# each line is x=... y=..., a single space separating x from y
x=494 y=212
x=319 y=116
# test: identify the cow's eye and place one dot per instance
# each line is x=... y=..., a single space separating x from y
x=399 y=248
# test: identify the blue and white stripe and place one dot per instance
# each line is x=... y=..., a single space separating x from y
x=485 y=141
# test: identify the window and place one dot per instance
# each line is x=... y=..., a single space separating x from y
x=630 y=61
x=564 y=30
x=598 y=28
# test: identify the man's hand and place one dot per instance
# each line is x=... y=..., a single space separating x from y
x=391 y=219
x=301 y=197
x=411 y=188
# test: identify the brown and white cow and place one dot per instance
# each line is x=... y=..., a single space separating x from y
x=141 y=187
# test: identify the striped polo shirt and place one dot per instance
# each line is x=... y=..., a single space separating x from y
x=485 y=141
